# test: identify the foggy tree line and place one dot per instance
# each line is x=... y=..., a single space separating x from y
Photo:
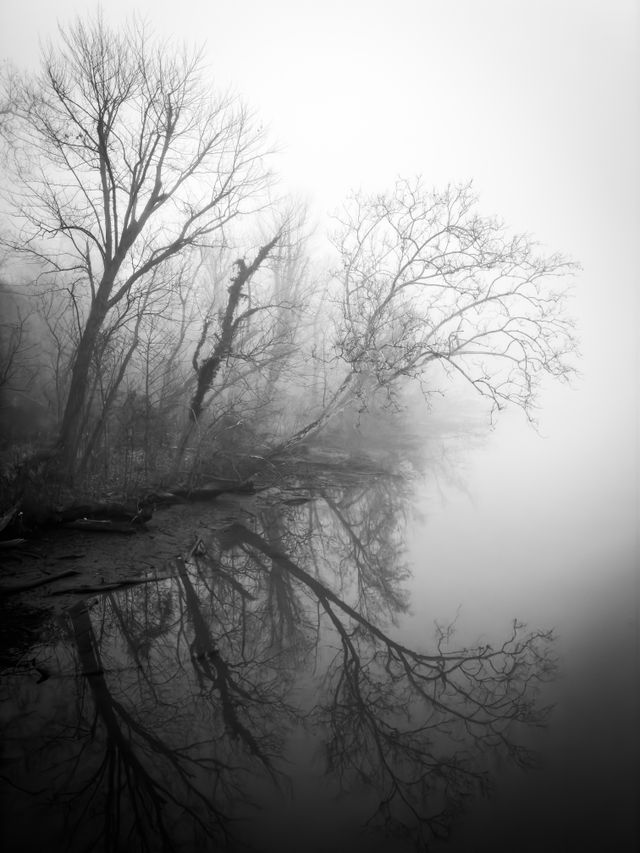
x=162 y=309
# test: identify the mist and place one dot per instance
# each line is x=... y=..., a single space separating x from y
x=319 y=425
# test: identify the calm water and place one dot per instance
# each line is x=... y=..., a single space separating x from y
x=333 y=666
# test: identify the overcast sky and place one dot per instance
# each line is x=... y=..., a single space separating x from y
x=537 y=102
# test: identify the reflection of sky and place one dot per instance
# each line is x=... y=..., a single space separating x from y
x=534 y=535
x=188 y=674
x=542 y=536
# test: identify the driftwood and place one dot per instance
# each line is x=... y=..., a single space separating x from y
x=11 y=543
x=133 y=513
x=101 y=525
x=114 y=517
x=209 y=491
x=98 y=589
x=23 y=587
x=8 y=516
x=141 y=511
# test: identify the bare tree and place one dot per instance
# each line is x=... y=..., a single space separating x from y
x=229 y=322
x=7 y=97
x=248 y=348
x=16 y=350
x=426 y=284
x=23 y=413
x=427 y=280
x=121 y=159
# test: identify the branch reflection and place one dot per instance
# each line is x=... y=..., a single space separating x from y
x=189 y=690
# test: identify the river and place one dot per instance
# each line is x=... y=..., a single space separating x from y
x=332 y=664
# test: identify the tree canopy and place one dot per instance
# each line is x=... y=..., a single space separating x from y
x=164 y=278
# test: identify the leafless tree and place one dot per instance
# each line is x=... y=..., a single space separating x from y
x=426 y=284
x=246 y=351
x=427 y=280
x=16 y=351
x=22 y=411
x=229 y=323
x=121 y=158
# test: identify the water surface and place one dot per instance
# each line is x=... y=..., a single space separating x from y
x=317 y=671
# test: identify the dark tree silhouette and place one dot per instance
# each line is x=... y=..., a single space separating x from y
x=188 y=687
x=121 y=160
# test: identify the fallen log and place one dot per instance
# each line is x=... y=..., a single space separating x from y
x=6 y=519
x=114 y=517
x=101 y=525
x=134 y=513
x=209 y=491
x=11 y=543
x=24 y=587
x=98 y=589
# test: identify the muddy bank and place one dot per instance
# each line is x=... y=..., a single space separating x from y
x=65 y=562
x=44 y=575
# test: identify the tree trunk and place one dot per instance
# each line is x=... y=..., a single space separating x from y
x=108 y=403
x=69 y=439
x=207 y=370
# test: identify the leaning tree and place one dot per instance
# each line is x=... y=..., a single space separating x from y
x=120 y=158
x=427 y=286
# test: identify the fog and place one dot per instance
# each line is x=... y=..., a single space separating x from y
x=529 y=529
x=537 y=102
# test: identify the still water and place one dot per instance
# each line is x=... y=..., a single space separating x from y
x=334 y=664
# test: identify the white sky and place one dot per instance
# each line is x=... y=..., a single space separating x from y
x=537 y=101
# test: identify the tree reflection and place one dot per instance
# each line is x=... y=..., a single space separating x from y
x=135 y=767
x=188 y=687
x=233 y=667
x=368 y=528
x=412 y=724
